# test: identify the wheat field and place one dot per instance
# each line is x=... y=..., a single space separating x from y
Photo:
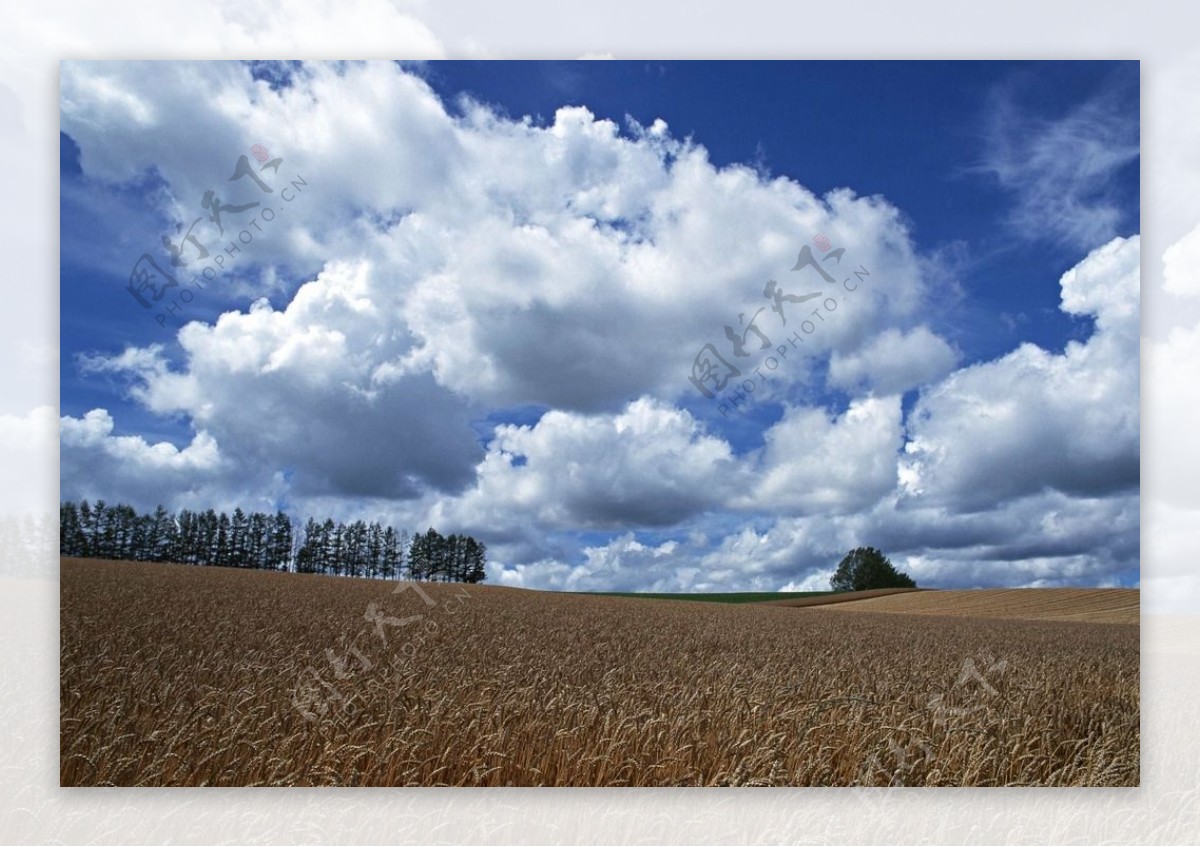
x=177 y=675
x=1091 y=605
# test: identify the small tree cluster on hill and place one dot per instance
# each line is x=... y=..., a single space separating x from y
x=865 y=568
x=266 y=542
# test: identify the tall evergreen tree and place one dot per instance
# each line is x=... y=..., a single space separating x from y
x=163 y=541
x=280 y=549
x=307 y=560
x=476 y=561
x=418 y=557
x=390 y=555
x=70 y=533
x=436 y=545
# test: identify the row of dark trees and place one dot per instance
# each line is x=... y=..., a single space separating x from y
x=453 y=558
x=101 y=531
x=379 y=552
x=266 y=542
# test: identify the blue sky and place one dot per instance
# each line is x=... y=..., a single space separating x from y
x=482 y=308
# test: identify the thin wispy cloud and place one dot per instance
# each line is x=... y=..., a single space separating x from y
x=1061 y=172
